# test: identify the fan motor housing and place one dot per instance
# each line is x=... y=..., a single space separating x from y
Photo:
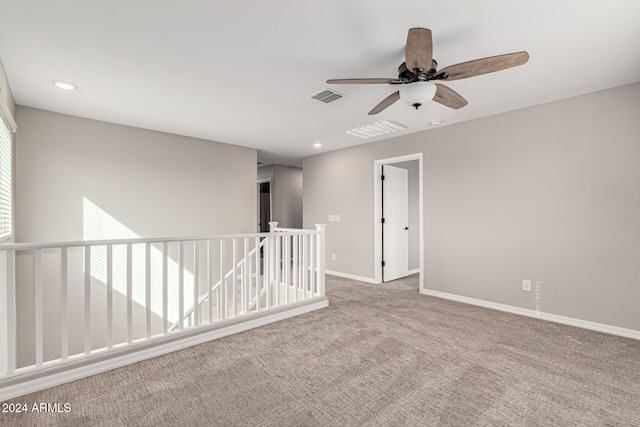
x=409 y=76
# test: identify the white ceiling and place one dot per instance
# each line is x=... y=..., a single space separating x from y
x=243 y=71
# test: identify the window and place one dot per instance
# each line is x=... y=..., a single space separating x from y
x=7 y=127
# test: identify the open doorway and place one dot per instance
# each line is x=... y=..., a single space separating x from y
x=399 y=246
x=264 y=205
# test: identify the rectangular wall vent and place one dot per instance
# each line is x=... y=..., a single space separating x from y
x=376 y=129
x=327 y=96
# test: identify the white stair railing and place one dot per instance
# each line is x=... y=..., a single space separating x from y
x=78 y=300
x=215 y=289
x=290 y=259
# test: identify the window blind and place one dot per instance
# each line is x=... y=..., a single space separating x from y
x=6 y=177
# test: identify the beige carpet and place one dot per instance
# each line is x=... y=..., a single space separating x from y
x=379 y=355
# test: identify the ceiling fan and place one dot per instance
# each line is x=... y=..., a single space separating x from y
x=420 y=69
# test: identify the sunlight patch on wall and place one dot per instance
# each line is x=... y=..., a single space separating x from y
x=99 y=225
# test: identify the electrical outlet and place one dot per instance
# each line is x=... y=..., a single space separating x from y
x=333 y=257
x=526 y=285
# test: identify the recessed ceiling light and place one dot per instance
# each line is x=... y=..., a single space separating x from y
x=317 y=145
x=436 y=122
x=61 y=84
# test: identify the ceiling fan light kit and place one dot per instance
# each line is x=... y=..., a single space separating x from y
x=417 y=93
x=420 y=69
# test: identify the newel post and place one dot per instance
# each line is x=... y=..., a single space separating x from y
x=320 y=254
x=273 y=226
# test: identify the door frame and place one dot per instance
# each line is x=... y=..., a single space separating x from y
x=377 y=212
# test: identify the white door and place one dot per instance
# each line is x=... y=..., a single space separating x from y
x=395 y=243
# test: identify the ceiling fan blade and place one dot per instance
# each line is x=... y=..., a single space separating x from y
x=419 y=50
x=389 y=100
x=449 y=97
x=358 y=81
x=485 y=65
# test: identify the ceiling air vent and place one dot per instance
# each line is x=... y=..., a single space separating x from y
x=327 y=96
x=376 y=129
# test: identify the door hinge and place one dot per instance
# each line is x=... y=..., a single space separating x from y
x=382 y=220
x=381 y=177
x=382 y=263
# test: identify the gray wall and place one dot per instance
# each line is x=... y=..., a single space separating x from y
x=286 y=194
x=548 y=193
x=288 y=200
x=151 y=183
x=265 y=172
x=154 y=183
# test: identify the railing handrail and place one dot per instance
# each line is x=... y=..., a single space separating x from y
x=290 y=230
x=141 y=240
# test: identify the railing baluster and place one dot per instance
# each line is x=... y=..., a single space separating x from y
x=210 y=278
x=196 y=283
x=109 y=296
x=129 y=293
x=11 y=312
x=312 y=259
x=87 y=299
x=234 y=275
x=304 y=267
x=286 y=265
x=300 y=267
x=257 y=255
x=295 y=238
x=37 y=276
x=320 y=253
x=277 y=266
x=147 y=289
x=64 y=316
x=222 y=301
x=165 y=288
x=266 y=265
x=246 y=293
x=181 y=286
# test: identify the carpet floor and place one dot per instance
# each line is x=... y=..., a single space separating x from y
x=378 y=355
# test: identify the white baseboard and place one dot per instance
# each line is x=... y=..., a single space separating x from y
x=28 y=383
x=414 y=271
x=352 y=276
x=600 y=327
